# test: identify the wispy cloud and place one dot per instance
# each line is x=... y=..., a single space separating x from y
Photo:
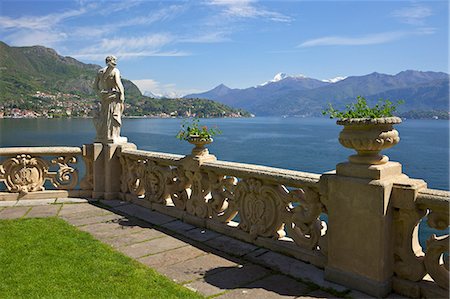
x=209 y=37
x=248 y=9
x=127 y=55
x=39 y=22
x=36 y=37
x=415 y=14
x=149 y=45
x=369 y=39
x=147 y=86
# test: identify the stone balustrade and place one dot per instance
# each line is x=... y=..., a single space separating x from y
x=273 y=208
x=358 y=223
x=26 y=170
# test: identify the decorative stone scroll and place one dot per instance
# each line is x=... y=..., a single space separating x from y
x=133 y=171
x=305 y=226
x=438 y=249
x=26 y=173
x=411 y=262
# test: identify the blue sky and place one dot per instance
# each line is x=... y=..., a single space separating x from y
x=179 y=47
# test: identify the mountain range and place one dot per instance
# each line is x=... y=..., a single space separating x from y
x=38 y=78
x=300 y=95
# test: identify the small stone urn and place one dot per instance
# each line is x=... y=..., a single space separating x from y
x=199 y=142
x=369 y=136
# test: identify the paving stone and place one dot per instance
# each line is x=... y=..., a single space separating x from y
x=113 y=203
x=177 y=226
x=196 y=268
x=68 y=209
x=200 y=234
x=151 y=247
x=71 y=200
x=110 y=229
x=297 y=269
x=95 y=219
x=166 y=258
x=34 y=202
x=281 y=284
x=13 y=212
x=7 y=203
x=228 y=279
x=138 y=237
x=252 y=294
x=391 y=296
x=86 y=214
x=231 y=246
x=319 y=294
x=360 y=295
x=43 y=211
x=145 y=214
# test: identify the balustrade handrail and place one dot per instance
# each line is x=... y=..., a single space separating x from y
x=281 y=176
x=156 y=156
x=43 y=151
x=437 y=198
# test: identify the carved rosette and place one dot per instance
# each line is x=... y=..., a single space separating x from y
x=368 y=137
x=156 y=182
x=24 y=173
x=221 y=205
x=304 y=225
x=261 y=208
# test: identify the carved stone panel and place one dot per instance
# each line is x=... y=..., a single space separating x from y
x=304 y=225
x=222 y=204
x=156 y=178
x=24 y=173
x=261 y=208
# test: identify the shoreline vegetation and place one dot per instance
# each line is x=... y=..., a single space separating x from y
x=436 y=115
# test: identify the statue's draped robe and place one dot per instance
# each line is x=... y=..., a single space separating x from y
x=110 y=87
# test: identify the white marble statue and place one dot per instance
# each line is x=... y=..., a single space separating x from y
x=108 y=86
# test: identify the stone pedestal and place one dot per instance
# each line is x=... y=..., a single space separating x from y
x=107 y=169
x=360 y=236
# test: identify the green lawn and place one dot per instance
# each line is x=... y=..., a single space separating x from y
x=49 y=258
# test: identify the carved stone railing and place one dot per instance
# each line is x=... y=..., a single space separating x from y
x=417 y=270
x=273 y=208
x=26 y=170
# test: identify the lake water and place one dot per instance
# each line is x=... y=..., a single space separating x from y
x=305 y=144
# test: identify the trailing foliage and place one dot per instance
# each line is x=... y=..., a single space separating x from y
x=360 y=109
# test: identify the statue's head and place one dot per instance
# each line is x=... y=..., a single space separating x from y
x=111 y=60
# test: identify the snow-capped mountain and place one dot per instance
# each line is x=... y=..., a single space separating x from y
x=281 y=76
x=300 y=95
x=334 y=80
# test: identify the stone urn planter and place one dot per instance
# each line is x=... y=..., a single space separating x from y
x=369 y=136
x=199 y=142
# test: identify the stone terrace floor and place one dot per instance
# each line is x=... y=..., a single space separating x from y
x=202 y=260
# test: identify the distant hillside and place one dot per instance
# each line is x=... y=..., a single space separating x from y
x=38 y=79
x=287 y=95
